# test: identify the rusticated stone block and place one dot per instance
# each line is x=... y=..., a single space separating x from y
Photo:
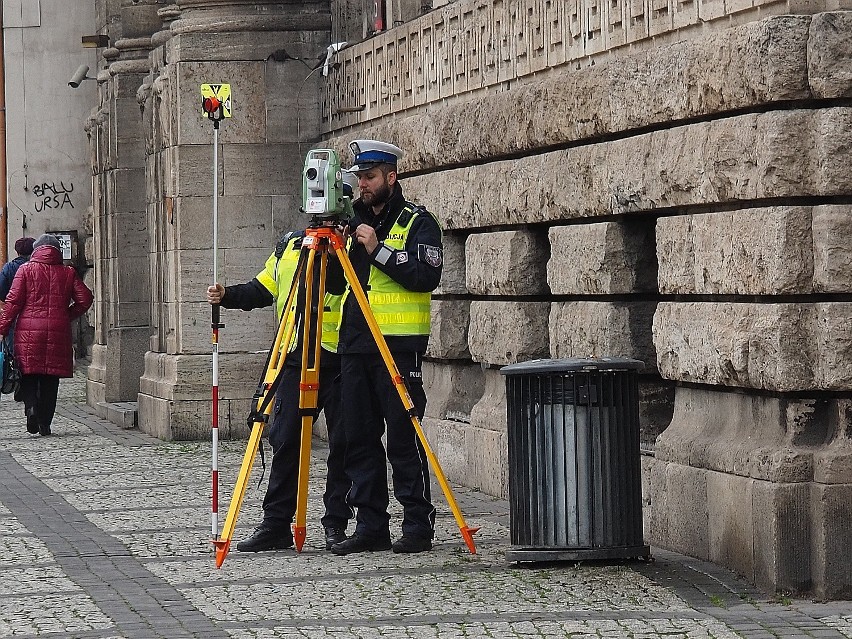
x=188 y=171
x=831 y=512
x=833 y=462
x=782 y=536
x=126 y=190
x=783 y=347
x=600 y=259
x=764 y=251
x=248 y=124
x=191 y=419
x=489 y=412
x=832 y=228
x=679 y=509
x=745 y=157
x=448 y=338
x=447 y=440
x=751 y=345
x=656 y=405
x=506 y=263
x=452 y=389
x=476 y=457
x=508 y=332
x=764 y=438
x=603 y=329
x=488 y=461
x=731 y=521
x=254 y=44
x=831 y=333
x=188 y=377
x=241 y=332
x=453 y=273
x=244 y=222
x=261 y=169
x=830 y=54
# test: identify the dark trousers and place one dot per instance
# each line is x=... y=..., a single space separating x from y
x=38 y=392
x=279 y=504
x=370 y=400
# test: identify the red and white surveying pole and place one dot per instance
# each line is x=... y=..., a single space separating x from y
x=216 y=105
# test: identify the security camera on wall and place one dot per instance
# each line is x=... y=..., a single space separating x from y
x=79 y=76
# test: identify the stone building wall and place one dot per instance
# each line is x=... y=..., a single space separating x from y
x=661 y=181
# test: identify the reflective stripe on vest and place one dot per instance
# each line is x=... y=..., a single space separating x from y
x=277 y=276
x=398 y=311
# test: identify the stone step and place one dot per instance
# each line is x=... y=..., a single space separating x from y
x=121 y=413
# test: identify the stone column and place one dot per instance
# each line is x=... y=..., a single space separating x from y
x=265 y=51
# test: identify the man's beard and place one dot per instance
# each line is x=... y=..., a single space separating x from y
x=380 y=197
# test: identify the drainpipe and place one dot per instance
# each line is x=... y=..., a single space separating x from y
x=4 y=214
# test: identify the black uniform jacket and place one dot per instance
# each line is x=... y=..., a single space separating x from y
x=414 y=273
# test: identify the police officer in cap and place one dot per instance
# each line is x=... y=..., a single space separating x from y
x=396 y=252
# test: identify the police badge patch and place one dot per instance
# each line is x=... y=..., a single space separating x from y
x=431 y=255
x=401 y=257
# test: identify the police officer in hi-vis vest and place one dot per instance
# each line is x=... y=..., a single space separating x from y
x=396 y=252
x=270 y=286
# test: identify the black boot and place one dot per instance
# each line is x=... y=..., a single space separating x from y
x=334 y=536
x=361 y=543
x=266 y=538
x=410 y=543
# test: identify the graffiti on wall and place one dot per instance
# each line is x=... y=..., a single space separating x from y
x=53 y=195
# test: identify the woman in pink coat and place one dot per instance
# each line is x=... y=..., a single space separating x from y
x=45 y=297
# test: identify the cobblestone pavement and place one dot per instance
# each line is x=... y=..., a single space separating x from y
x=105 y=535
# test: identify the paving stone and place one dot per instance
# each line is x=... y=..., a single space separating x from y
x=106 y=535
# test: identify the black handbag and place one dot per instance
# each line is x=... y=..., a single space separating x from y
x=11 y=380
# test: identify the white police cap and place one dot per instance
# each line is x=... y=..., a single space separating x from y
x=370 y=153
x=350 y=180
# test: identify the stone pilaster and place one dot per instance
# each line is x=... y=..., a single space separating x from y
x=265 y=51
x=123 y=322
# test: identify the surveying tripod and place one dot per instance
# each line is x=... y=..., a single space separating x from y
x=320 y=240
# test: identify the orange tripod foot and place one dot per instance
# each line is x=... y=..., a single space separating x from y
x=299 y=534
x=468 y=533
x=222 y=546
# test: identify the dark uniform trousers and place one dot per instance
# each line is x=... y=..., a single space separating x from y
x=367 y=394
x=279 y=504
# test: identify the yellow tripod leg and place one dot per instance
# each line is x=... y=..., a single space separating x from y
x=466 y=532
x=284 y=336
x=308 y=391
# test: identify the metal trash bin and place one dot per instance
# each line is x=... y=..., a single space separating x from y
x=574 y=476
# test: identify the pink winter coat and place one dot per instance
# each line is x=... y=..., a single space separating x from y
x=45 y=296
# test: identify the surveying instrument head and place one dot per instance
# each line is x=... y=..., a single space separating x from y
x=324 y=197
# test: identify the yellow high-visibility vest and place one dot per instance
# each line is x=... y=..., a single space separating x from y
x=398 y=311
x=277 y=276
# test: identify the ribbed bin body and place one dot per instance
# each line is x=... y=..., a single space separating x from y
x=574 y=476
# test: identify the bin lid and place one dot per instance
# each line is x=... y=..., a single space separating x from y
x=572 y=364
